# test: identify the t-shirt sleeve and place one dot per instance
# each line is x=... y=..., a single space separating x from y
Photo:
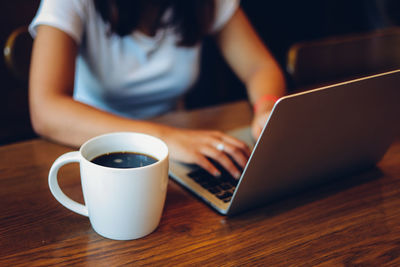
x=65 y=15
x=224 y=9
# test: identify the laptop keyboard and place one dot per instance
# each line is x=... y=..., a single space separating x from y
x=222 y=187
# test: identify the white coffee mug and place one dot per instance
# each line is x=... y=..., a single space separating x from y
x=121 y=203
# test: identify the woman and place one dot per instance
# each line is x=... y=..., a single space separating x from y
x=105 y=65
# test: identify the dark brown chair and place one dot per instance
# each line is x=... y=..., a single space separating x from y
x=14 y=115
x=17 y=53
x=339 y=58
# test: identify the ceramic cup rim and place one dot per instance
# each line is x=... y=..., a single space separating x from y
x=88 y=143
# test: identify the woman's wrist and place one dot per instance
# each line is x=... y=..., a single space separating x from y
x=266 y=101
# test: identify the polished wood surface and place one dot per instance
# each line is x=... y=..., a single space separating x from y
x=355 y=221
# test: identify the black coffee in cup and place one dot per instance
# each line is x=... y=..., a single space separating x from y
x=124 y=160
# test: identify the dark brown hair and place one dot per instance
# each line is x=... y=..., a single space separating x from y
x=191 y=19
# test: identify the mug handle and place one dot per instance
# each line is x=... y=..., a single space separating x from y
x=55 y=188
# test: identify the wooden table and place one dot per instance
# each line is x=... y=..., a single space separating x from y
x=355 y=221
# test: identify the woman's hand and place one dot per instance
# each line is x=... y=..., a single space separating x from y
x=196 y=146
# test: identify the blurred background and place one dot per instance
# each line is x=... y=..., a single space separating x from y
x=283 y=26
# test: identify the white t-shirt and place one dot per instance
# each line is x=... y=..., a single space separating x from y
x=134 y=76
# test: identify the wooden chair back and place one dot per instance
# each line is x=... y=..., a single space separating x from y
x=343 y=57
x=17 y=53
x=14 y=115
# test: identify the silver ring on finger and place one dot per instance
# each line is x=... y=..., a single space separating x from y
x=220 y=147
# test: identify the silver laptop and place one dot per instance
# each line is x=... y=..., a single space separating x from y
x=310 y=138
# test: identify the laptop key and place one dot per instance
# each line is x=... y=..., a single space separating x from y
x=227 y=199
x=226 y=186
x=208 y=184
x=214 y=190
x=224 y=195
x=200 y=173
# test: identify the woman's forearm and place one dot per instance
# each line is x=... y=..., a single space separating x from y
x=250 y=59
x=62 y=119
x=265 y=80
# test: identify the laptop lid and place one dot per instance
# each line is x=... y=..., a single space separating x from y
x=319 y=135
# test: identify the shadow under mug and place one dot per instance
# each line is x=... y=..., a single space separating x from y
x=122 y=204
